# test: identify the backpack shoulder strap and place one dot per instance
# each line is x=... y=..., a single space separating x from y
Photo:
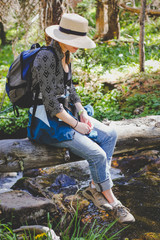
x=35 y=45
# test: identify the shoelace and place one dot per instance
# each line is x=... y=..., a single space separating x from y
x=121 y=209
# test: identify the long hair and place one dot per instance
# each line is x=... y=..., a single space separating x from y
x=67 y=53
x=67 y=57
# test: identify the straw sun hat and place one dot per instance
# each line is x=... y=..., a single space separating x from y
x=72 y=31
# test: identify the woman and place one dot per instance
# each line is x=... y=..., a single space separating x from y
x=55 y=121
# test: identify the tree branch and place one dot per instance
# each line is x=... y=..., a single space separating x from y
x=138 y=10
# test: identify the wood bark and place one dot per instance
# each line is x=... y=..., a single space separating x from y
x=142 y=33
x=52 y=12
x=2 y=34
x=133 y=135
x=107 y=20
x=151 y=12
x=113 y=21
x=100 y=13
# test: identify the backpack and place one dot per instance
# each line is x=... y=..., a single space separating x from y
x=19 y=79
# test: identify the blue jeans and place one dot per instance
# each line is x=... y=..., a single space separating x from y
x=98 y=154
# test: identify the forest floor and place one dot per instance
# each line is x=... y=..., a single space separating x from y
x=141 y=83
x=133 y=83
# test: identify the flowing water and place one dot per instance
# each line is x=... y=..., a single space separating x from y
x=136 y=179
x=138 y=189
x=7 y=180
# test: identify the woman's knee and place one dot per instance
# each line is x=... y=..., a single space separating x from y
x=98 y=157
x=114 y=134
x=111 y=135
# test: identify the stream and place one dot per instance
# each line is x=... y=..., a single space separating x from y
x=136 y=179
x=7 y=180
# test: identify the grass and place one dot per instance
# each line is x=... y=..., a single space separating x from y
x=73 y=231
x=136 y=94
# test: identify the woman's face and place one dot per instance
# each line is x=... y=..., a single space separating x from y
x=71 y=49
x=66 y=47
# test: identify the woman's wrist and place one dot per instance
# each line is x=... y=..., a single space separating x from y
x=81 y=111
x=75 y=125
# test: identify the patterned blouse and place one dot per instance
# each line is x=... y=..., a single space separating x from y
x=48 y=71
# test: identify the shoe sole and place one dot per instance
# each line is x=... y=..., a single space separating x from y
x=125 y=222
x=86 y=195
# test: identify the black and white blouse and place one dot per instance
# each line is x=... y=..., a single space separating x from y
x=47 y=70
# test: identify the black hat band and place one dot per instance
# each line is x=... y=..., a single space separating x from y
x=68 y=31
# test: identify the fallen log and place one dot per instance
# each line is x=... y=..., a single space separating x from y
x=133 y=134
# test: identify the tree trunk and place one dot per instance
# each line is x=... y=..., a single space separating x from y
x=113 y=21
x=100 y=20
x=107 y=19
x=141 y=39
x=52 y=12
x=2 y=34
x=22 y=154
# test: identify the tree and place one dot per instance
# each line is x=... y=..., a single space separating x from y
x=107 y=19
x=18 y=13
x=51 y=11
x=2 y=34
x=51 y=14
x=141 y=40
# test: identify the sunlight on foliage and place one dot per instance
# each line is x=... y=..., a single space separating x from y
x=115 y=62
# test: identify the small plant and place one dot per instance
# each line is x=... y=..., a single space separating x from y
x=10 y=124
x=74 y=231
x=42 y=236
x=6 y=232
x=78 y=231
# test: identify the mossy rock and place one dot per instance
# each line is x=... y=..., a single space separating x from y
x=151 y=236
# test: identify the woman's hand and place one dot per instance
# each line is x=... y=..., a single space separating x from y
x=83 y=128
x=84 y=118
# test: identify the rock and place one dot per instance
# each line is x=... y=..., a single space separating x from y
x=62 y=182
x=24 y=207
x=139 y=110
x=64 y=179
x=75 y=200
x=149 y=236
x=37 y=229
x=30 y=185
x=9 y=174
x=32 y=172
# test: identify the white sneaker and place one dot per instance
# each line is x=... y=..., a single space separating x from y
x=122 y=213
x=97 y=198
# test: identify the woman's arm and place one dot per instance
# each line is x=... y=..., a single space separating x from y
x=80 y=127
x=84 y=118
